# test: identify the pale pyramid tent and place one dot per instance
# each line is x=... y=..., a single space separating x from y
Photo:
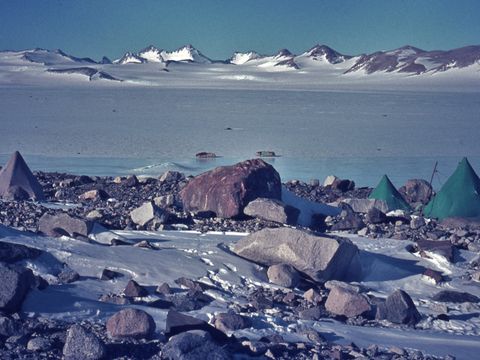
x=17 y=181
x=387 y=192
x=458 y=197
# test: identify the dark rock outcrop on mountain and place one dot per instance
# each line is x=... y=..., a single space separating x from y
x=332 y=56
x=409 y=59
x=226 y=190
x=91 y=73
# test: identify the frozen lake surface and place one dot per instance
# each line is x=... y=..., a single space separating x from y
x=148 y=130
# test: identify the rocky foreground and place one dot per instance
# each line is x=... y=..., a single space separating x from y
x=314 y=273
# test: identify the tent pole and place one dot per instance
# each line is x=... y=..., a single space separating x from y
x=431 y=178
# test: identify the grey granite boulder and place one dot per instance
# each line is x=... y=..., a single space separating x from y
x=320 y=257
x=148 y=212
x=272 y=210
x=81 y=344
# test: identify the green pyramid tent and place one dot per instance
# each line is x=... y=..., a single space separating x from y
x=459 y=196
x=386 y=191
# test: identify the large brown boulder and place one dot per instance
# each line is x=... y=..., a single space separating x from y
x=130 y=323
x=416 y=191
x=320 y=257
x=226 y=190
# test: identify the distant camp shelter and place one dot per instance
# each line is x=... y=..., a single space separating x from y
x=17 y=181
x=458 y=197
x=387 y=192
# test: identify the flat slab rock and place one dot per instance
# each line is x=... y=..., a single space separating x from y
x=320 y=257
x=63 y=224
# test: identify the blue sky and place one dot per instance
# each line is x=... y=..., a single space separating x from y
x=219 y=27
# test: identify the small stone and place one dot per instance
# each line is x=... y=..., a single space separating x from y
x=164 y=289
x=94 y=195
x=375 y=216
x=330 y=180
x=312 y=296
x=9 y=327
x=190 y=284
x=108 y=274
x=397 y=350
x=130 y=181
x=228 y=322
x=39 y=344
x=313 y=313
x=114 y=299
x=148 y=212
x=67 y=275
x=433 y=275
x=417 y=222
x=283 y=275
x=94 y=215
x=164 y=201
x=133 y=289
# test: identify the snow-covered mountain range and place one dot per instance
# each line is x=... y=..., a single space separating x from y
x=320 y=61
